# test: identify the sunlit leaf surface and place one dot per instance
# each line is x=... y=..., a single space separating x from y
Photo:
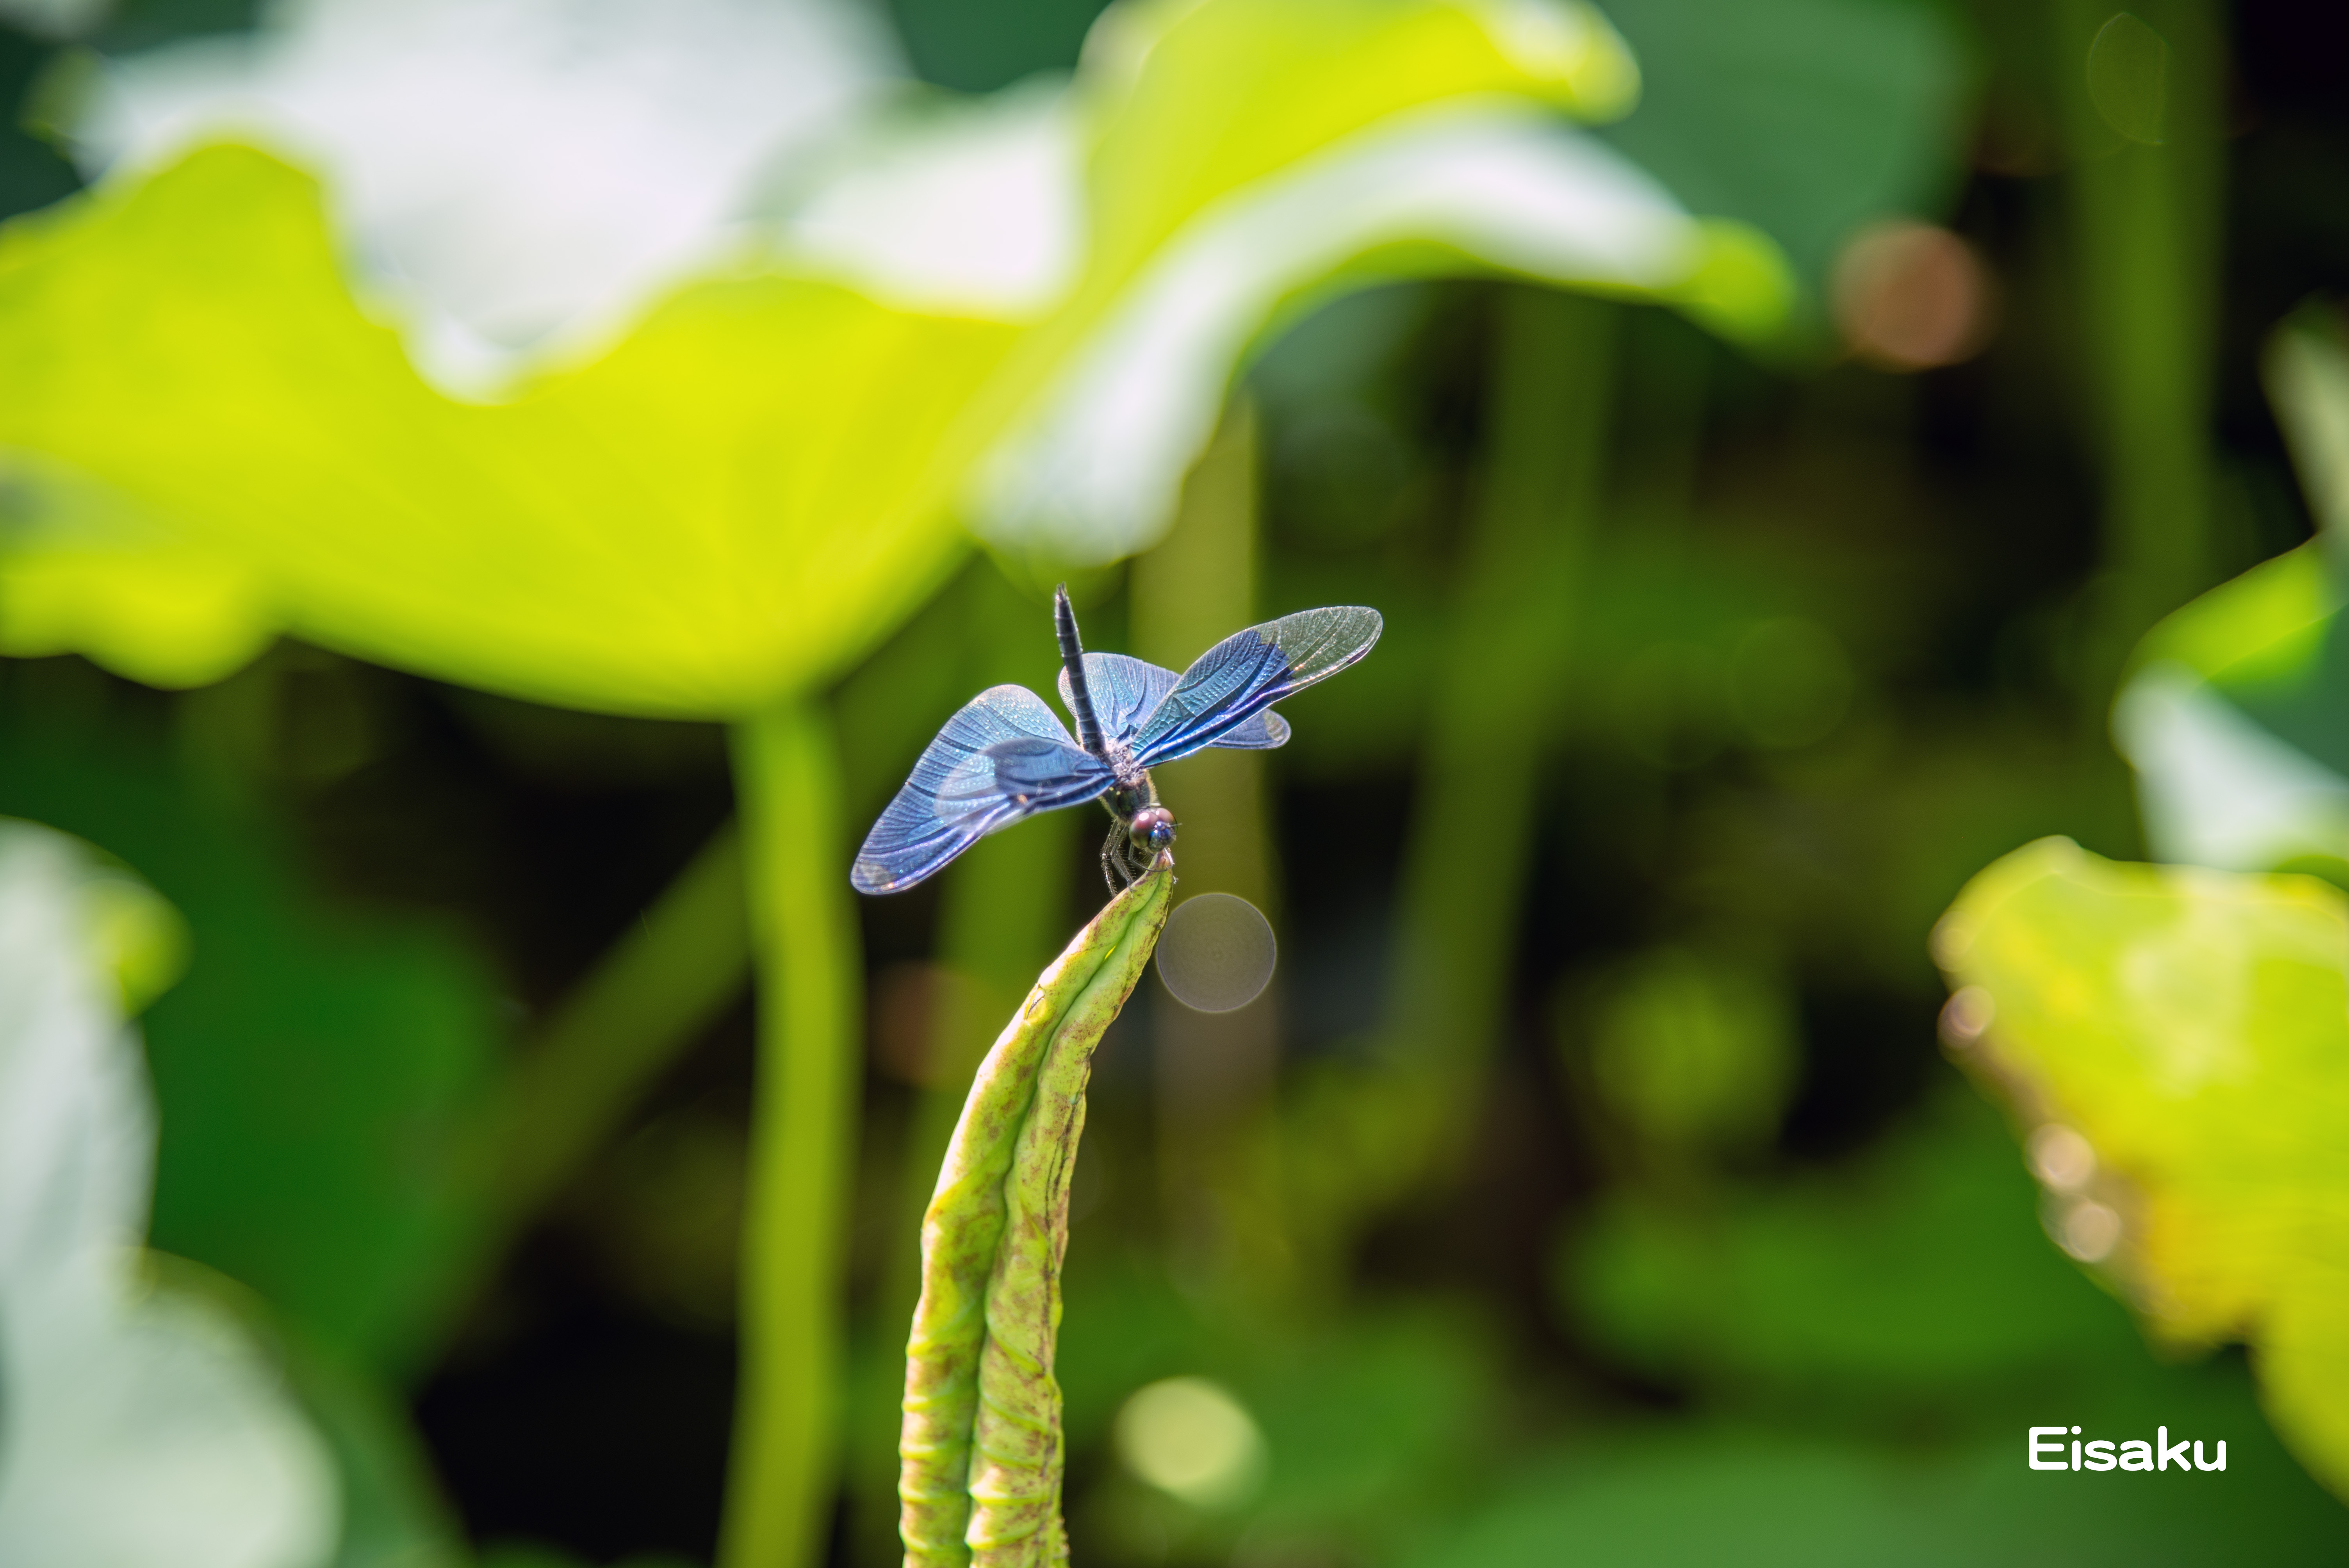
x=759 y=482
x=2232 y=717
x=710 y=512
x=2192 y=1027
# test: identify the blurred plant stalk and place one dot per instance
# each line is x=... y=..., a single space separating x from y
x=1497 y=703
x=1214 y=1071
x=647 y=999
x=2142 y=108
x=806 y=955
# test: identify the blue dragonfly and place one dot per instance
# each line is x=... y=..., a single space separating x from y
x=1006 y=754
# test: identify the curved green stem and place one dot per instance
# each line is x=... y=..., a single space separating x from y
x=982 y=1445
x=805 y=948
x=659 y=987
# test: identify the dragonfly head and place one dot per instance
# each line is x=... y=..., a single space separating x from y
x=1153 y=828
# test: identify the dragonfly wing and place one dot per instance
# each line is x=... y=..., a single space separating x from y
x=1247 y=672
x=1124 y=690
x=1004 y=757
x=1265 y=731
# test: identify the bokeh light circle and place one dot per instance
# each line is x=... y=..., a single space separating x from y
x=1911 y=296
x=1217 y=953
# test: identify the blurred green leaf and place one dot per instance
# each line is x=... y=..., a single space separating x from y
x=140 y=939
x=2232 y=710
x=1377 y=1418
x=1911 y=1281
x=1693 y=1053
x=316 y=1070
x=1760 y=1500
x=665 y=532
x=755 y=486
x=2266 y=625
x=1211 y=96
x=2193 y=1027
x=1807 y=118
x=2306 y=372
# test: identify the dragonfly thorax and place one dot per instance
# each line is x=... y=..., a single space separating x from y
x=1128 y=801
x=1129 y=773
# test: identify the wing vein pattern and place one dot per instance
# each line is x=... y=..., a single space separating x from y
x=1230 y=684
x=1004 y=757
x=1127 y=691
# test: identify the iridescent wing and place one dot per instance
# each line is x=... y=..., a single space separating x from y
x=1004 y=757
x=1126 y=693
x=1233 y=683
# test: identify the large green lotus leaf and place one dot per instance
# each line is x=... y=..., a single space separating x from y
x=1266 y=158
x=1211 y=96
x=718 y=510
x=756 y=483
x=2193 y=1027
x=1092 y=470
x=79 y=568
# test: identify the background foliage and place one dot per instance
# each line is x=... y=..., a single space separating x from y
x=1593 y=1180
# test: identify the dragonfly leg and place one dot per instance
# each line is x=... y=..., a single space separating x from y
x=1113 y=870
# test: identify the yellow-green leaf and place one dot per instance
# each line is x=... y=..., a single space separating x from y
x=82 y=572
x=760 y=480
x=1217 y=94
x=714 y=512
x=2175 y=1045
x=2265 y=625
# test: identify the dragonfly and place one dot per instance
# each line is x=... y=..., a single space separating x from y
x=1006 y=756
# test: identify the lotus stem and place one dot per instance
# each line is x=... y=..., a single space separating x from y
x=804 y=934
x=1518 y=598
x=2148 y=221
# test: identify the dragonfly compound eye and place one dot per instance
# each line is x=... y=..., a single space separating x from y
x=1153 y=828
